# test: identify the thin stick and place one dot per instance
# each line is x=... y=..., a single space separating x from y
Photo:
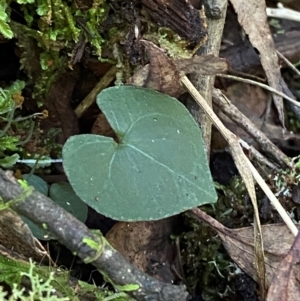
x=249 y=81
x=228 y=136
x=273 y=200
x=288 y=63
x=240 y=119
x=283 y=13
x=258 y=156
x=91 y=97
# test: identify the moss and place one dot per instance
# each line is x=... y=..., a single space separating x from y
x=48 y=284
x=174 y=46
x=55 y=26
x=208 y=266
x=206 y=262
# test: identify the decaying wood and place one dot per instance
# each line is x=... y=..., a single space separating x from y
x=16 y=239
x=179 y=15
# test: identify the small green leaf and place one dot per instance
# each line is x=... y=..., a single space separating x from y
x=42 y=9
x=41 y=186
x=8 y=143
x=127 y=287
x=9 y=161
x=64 y=195
x=6 y=96
x=5 y=30
x=91 y=243
x=157 y=169
x=3 y=15
x=38 y=232
x=45 y=58
x=23 y=183
x=11 y=270
x=27 y=16
x=25 y=1
x=37 y=182
x=16 y=86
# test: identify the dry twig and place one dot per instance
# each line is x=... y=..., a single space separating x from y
x=216 y=13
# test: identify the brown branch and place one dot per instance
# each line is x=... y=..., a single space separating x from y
x=215 y=12
x=240 y=119
x=71 y=232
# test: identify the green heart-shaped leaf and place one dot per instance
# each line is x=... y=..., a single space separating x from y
x=63 y=195
x=158 y=167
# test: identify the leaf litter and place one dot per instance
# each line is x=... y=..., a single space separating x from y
x=239 y=240
x=253 y=18
x=285 y=285
x=272 y=76
x=278 y=243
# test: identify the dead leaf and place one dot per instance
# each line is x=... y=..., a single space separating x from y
x=160 y=75
x=241 y=162
x=147 y=246
x=163 y=74
x=239 y=244
x=203 y=65
x=77 y=52
x=252 y=17
x=285 y=284
x=102 y=127
x=247 y=172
